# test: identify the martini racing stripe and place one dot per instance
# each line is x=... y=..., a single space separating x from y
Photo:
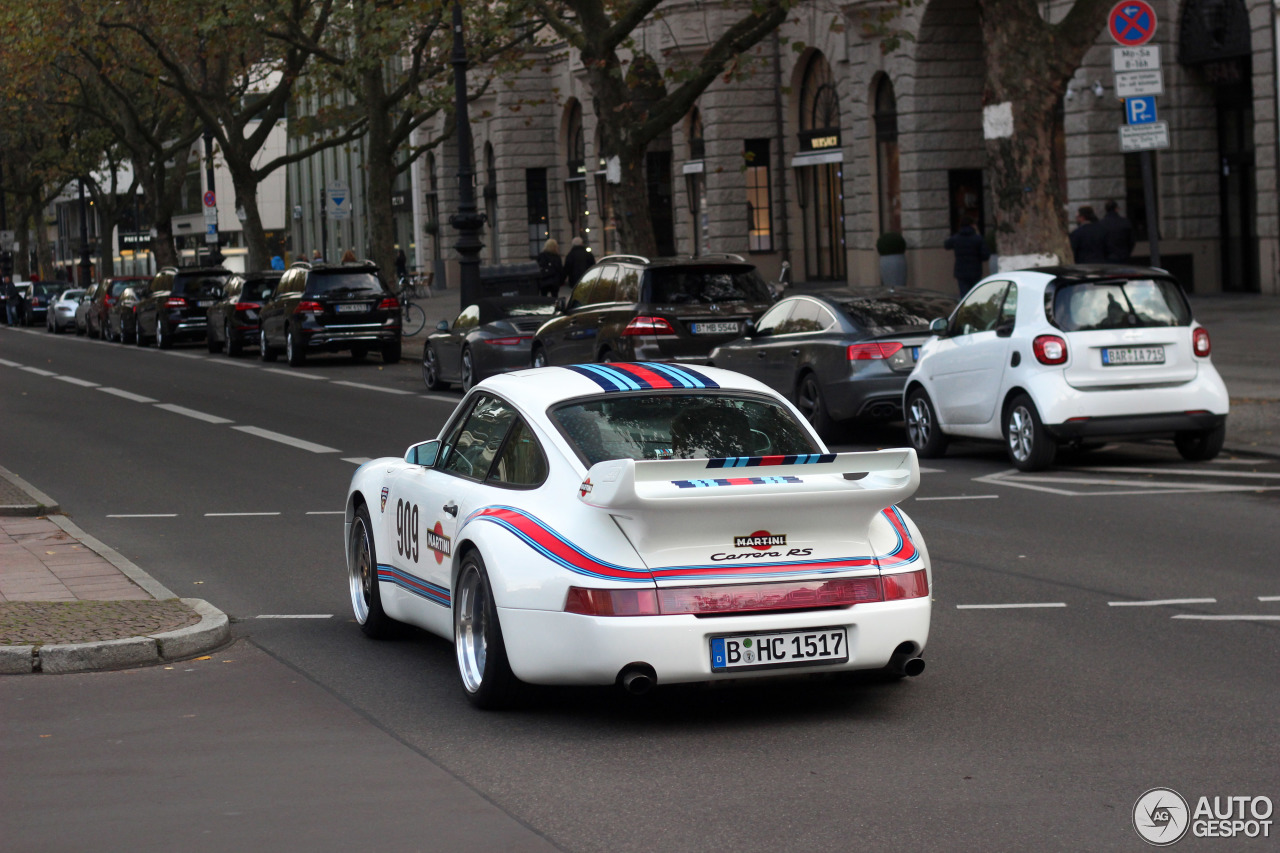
x=642 y=376
x=431 y=592
x=734 y=481
x=553 y=546
x=756 y=461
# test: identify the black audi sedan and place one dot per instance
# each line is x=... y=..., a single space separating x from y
x=176 y=308
x=840 y=355
x=234 y=319
x=489 y=337
x=330 y=308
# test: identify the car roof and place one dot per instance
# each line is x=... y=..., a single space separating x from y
x=536 y=389
x=1098 y=272
x=700 y=261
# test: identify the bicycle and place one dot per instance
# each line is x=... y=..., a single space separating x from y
x=412 y=318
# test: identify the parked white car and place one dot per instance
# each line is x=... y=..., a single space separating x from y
x=62 y=313
x=1056 y=355
x=639 y=524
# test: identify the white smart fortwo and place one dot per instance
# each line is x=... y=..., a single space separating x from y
x=639 y=524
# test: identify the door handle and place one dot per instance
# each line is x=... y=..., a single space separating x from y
x=451 y=508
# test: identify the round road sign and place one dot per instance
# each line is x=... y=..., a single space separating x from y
x=1132 y=22
x=210 y=200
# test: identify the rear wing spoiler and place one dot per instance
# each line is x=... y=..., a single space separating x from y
x=879 y=478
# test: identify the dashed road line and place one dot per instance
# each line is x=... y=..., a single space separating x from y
x=192 y=413
x=144 y=515
x=38 y=371
x=7 y=363
x=127 y=395
x=1011 y=606
x=439 y=398
x=295 y=374
x=237 y=514
x=286 y=439
x=294 y=616
x=1162 y=601
x=365 y=387
x=960 y=498
x=1244 y=617
x=329 y=512
x=357 y=460
x=83 y=383
x=1269 y=598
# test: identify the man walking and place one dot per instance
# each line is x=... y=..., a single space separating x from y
x=13 y=302
x=971 y=250
x=577 y=262
x=1089 y=240
x=1119 y=230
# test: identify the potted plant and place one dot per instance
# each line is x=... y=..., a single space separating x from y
x=892 y=249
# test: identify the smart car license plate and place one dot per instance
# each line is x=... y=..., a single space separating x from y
x=1115 y=356
x=357 y=308
x=715 y=328
x=789 y=648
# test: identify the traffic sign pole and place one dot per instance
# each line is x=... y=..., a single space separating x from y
x=1132 y=23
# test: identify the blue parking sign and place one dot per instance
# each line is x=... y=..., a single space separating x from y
x=1140 y=110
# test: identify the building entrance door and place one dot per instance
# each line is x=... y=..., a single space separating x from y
x=1236 y=190
x=822 y=196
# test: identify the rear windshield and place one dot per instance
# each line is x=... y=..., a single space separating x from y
x=893 y=313
x=344 y=284
x=50 y=289
x=680 y=426
x=676 y=286
x=117 y=287
x=258 y=288
x=199 y=286
x=72 y=294
x=1133 y=303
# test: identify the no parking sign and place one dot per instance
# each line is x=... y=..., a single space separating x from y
x=1132 y=22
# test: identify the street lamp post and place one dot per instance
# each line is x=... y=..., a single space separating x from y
x=86 y=263
x=468 y=221
x=215 y=253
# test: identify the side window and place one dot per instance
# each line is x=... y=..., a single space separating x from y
x=826 y=318
x=980 y=311
x=605 y=286
x=807 y=317
x=774 y=318
x=468 y=319
x=522 y=462
x=582 y=290
x=628 y=289
x=1009 y=310
x=481 y=436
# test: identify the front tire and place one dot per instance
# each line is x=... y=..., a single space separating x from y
x=431 y=369
x=923 y=431
x=1201 y=446
x=1030 y=446
x=265 y=352
x=486 y=675
x=211 y=341
x=234 y=345
x=294 y=350
x=362 y=577
x=468 y=370
x=164 y=340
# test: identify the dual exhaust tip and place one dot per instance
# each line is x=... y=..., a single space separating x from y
x=639 y=678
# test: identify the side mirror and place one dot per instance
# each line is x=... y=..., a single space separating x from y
x=424 y=453
x=442 y=326
x=938 y=326
x=749 y=328
x=562 y=305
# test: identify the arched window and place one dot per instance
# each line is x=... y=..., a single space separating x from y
x=888 y=176
x=821 y=185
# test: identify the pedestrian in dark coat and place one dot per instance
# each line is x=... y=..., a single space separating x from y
x=1120 y=239
x=13 y=302
x=402 y=265
x=1089 y=240
x=971 y=250
x=577 y=262
x=551 y=269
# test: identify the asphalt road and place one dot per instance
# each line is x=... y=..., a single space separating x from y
x=1070 y=667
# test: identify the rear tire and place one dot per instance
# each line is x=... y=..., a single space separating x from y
x=362 y=578
x=211 y=343
x=1030 y=446
x=813 y=406
x=265 y=352
x=486 y=674
x=431 y=369
x=294 y=350
x=468 y=370
x=1201 y=446
x=391 y=353
x=539 y=358
x=234 y=346
x=923 y=431
x=163 y=340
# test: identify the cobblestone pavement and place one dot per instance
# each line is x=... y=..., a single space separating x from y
x=38 y=622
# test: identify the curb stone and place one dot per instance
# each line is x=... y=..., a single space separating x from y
x=15 y=660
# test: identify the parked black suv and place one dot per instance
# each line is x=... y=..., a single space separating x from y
x=628 y=308
x=176 y=306
x=234 y=319
x=330 y=308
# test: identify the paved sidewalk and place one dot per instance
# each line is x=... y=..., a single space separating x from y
x=68 y=603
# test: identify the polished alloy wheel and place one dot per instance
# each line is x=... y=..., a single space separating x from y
x=919 y=424
x=468 y=371
x=361 y=570
x=469 y=628
x=1021 y=433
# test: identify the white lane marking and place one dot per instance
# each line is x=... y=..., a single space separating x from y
x=440 y=398
x=1269 y=598
x=1254 y=617
x=329 y=512
x=7 y=363
x=1255 y=461
x=83 y=383
x=961 y=498
x=1161 y=601
x=145 y=515
x=183 y=354
x=127 y=395
x=231 y=362
x=38 y=372
x=1010 y=606
x=294 y=373
x=365 y=387
x=192 y=413
x=1135 y=487
x=356 y=460
x=286 y=439
x=295 y=616
x=236 y=514
x=933 y=471
x=1185 y=472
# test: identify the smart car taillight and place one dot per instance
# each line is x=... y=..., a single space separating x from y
x=906 y=585
x=510 y=342
x=612 y=602
x=859 y=352
x=1200 y=342
x=389 y=304
x=175 y=302
x=1049 y=349
x=308 y=307
x=649 y=326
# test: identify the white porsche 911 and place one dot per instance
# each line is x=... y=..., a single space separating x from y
x=639 y=524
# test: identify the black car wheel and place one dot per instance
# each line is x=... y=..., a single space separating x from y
x=923 y=431
x=1030 y=446
x=391 y=352
x=164 y=340
x=431 y=369
x=539 y=357
x=468 y=370
x=138 y=338
x=813 y=405
x=294 y=350
x=486 y=674
x=234 y=345
x=211 y=341
x=1201 y=446
x=265 y=352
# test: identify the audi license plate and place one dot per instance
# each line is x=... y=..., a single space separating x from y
x=356 y=308
x=715 y=328
x=915 y=354
x=789 y=648
x=1114 y=356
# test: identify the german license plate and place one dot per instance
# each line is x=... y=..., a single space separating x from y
x=715 y=328
x=1115 y=356
x=915 y=354
x=787 y=648
x=204 y=303
x=357 y=308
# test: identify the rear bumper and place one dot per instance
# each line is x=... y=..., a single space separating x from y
x=873 y=392
x=549 y=647
x=337 y=338
x=1136 y=426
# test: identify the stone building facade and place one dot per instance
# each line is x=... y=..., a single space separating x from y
x=828 y=143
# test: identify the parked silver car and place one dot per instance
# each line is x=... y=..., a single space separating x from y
x=62 y=312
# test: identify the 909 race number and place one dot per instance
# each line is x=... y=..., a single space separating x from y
x=407 y=530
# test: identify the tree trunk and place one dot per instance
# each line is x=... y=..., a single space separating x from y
x=631 y=207
x=380 y=161
x=255 y=238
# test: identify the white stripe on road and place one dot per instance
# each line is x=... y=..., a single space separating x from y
x=329 y=512
x=83 y=383
x=365 y=387
x=7 y=363
x=1161 y=601
x=961 y=498
x=356 y=460
x=127 y=395
x=38 y=372
x=192 y=413
x=440 y=398
x=1010 y=606
x=295 y=616
x=1269 y=598
x=1257 y=617
x=294 y=373
x=236 y=514
x=286 y=439
x=183 y=354
x=146 y=515
x=231 y=362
